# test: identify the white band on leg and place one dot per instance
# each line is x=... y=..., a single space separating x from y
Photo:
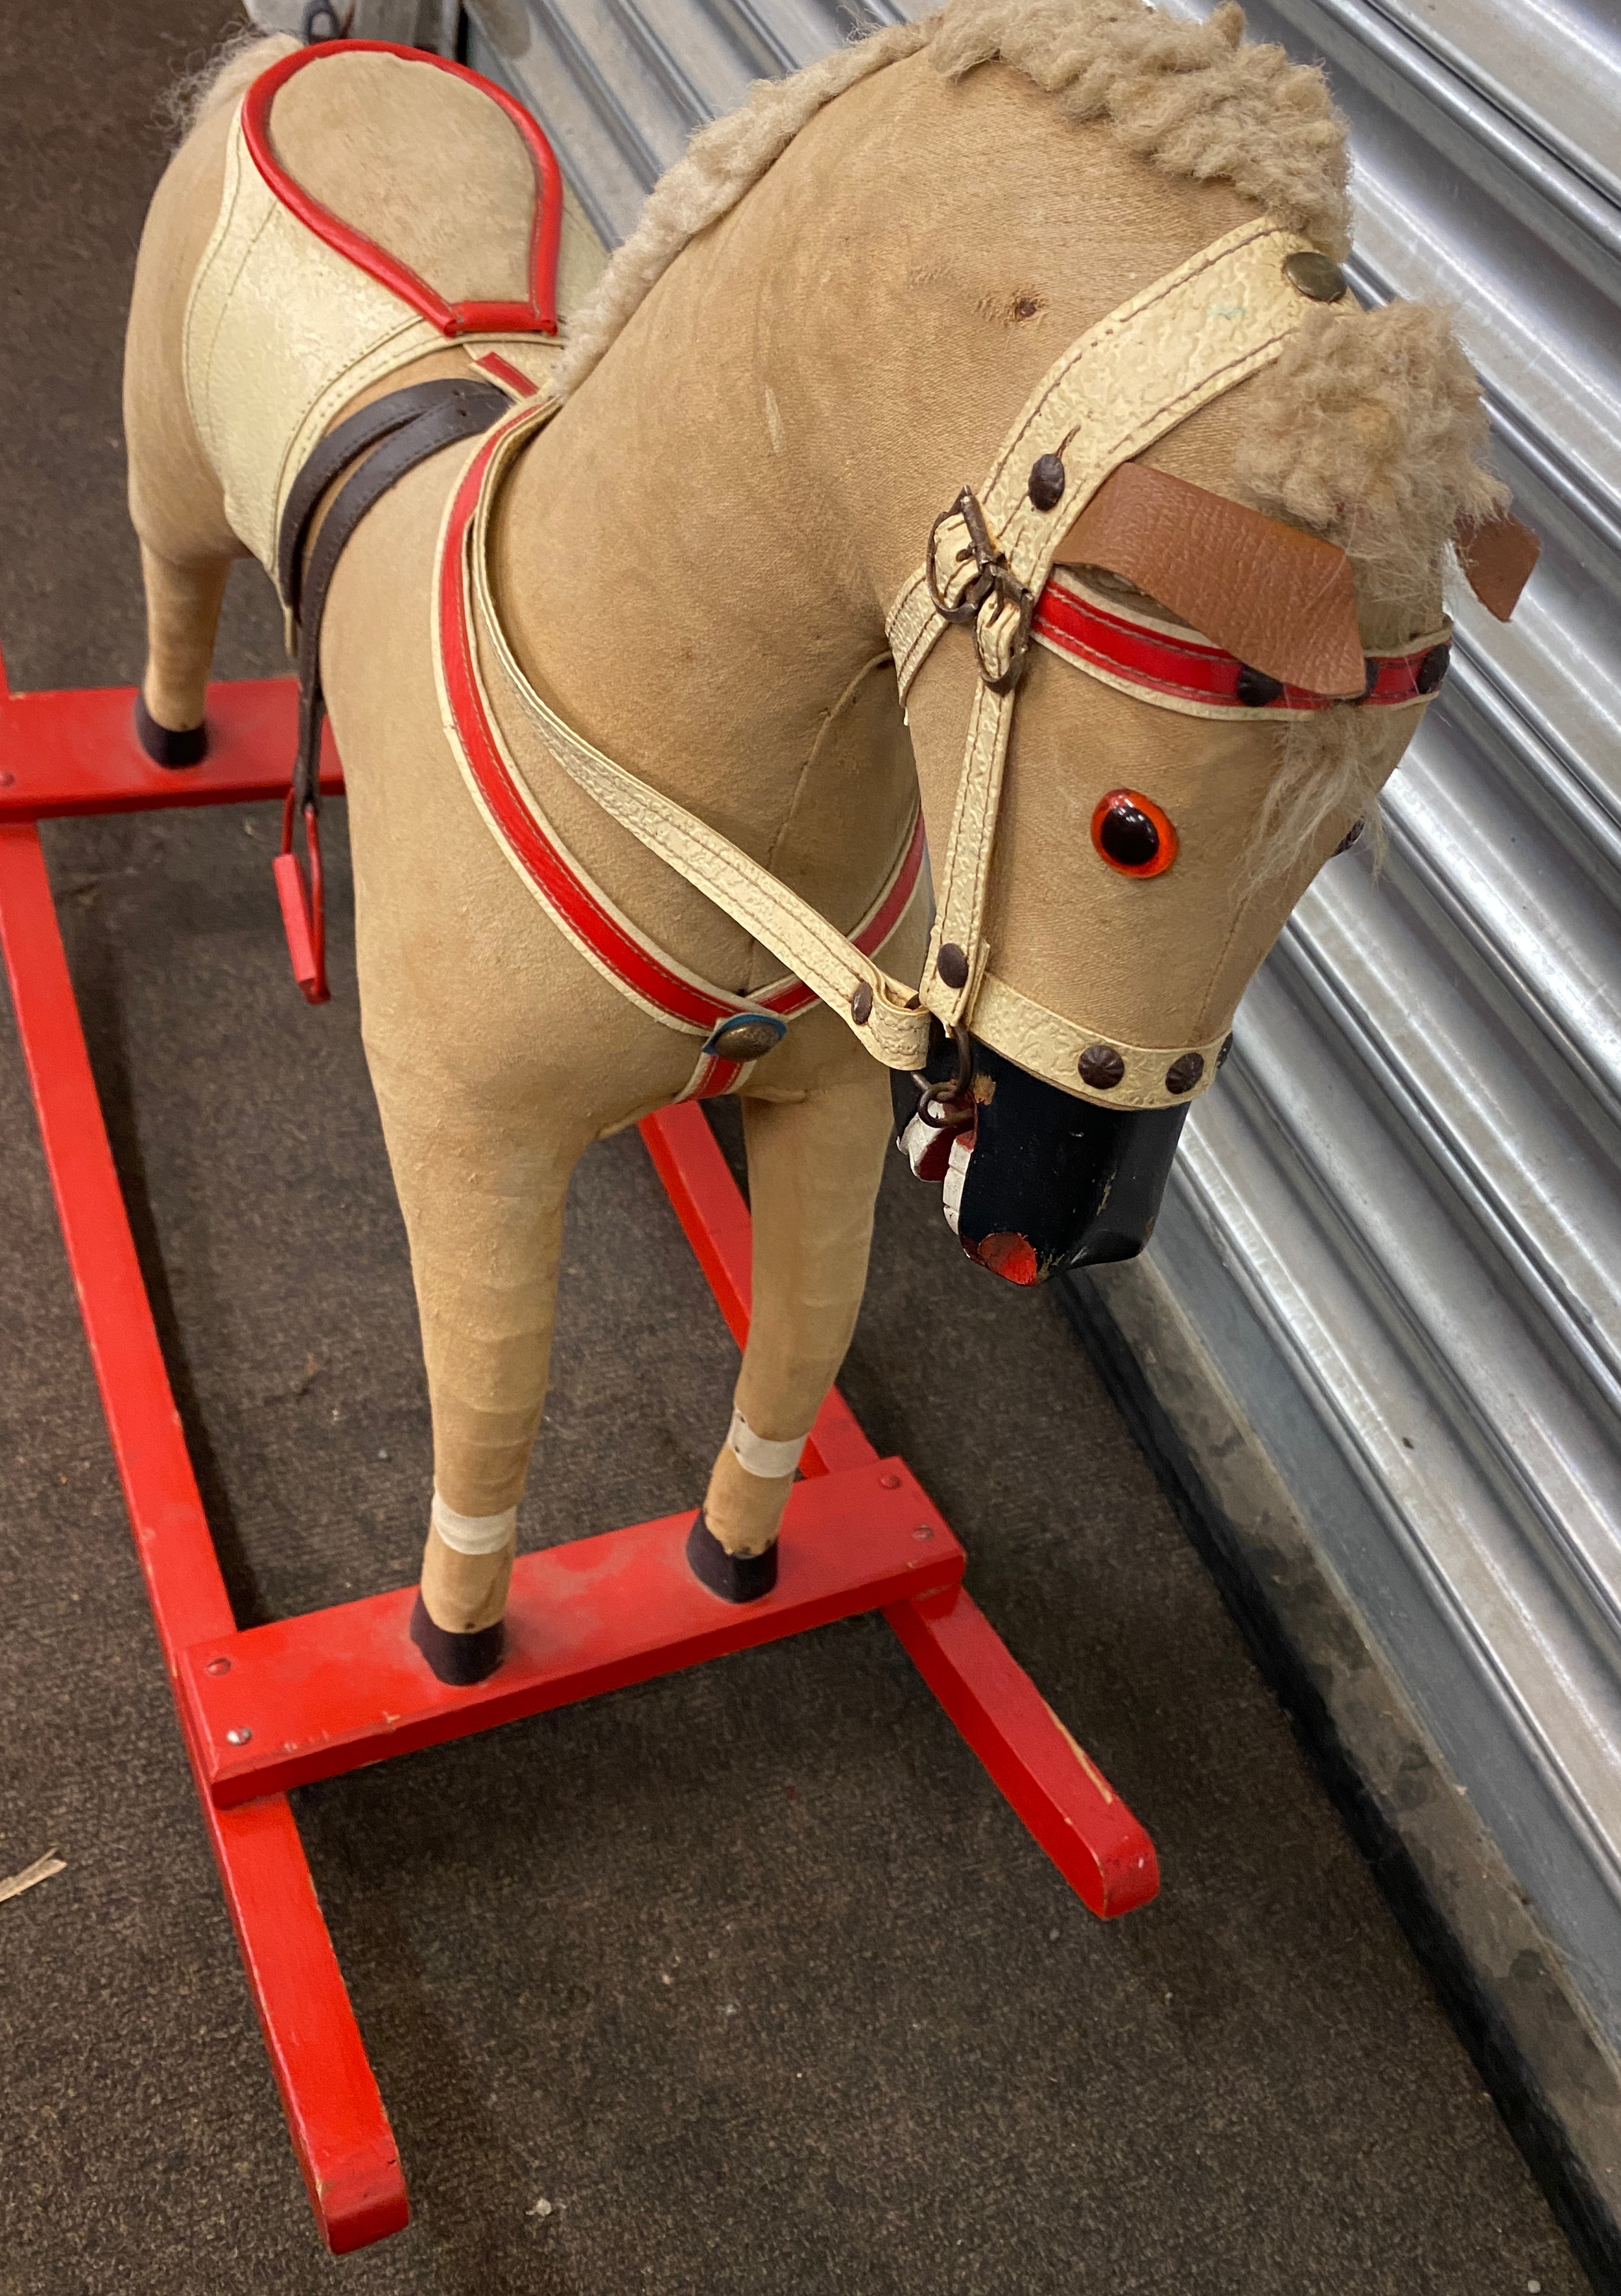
x=472 y=1534
x=757 y=1456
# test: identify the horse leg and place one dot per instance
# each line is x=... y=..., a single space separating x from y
x=814 y=1166
x=183 y=604
x=177 y=503
x=482 y=1190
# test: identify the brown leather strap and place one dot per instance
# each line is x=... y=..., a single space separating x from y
x=1497 y=556
x=441 y=414
x=1282 y=601
x=329 y=461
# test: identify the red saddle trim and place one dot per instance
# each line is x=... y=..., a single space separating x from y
x=1189 y=669
x=551 y=870
x=538 y=315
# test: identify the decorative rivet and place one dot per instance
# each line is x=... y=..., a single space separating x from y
x=889 y=1482
x=861 y=1003
x=749 y=1038
x=1101 y=1067
x=1316 y=276
x=1432 y=668
x=1255 y=688
x=924 y=1530
x=1184 y=1072
x=1048 y=479
x=1353 y=836
x=1226 y=1048
x=217 y=1666
x=237 y=1737
x=952 y=966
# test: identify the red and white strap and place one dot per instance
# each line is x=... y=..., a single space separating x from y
x=659 y=983
x=1182 y=672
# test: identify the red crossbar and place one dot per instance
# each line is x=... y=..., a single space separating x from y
x=306 y=1698
x=280 y=1705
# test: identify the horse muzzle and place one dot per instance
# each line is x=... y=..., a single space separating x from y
x=1033 y=1179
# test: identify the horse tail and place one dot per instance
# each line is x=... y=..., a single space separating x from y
x=223 y=77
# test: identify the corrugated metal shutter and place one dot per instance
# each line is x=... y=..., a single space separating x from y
x=1397 y=1226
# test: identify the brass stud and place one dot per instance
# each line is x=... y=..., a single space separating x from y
x=1184 y=1072
x=1101 y=1067
x=952 y=966
x=1048 y=479
x=1316 y=276
x=745 y=1039
x=861 y=1003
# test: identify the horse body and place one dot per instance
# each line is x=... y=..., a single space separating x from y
x=694 y=562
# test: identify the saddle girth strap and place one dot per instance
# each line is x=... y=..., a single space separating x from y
x=395 y=434
x=405 y=428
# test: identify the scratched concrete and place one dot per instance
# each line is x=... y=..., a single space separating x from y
x=749 y=1974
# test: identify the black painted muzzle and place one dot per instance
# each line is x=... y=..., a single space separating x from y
x=1039 y=1180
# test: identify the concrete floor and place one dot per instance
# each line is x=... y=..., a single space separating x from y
x=750 y=1973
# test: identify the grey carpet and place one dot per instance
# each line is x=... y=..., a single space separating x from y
x=749 y=1973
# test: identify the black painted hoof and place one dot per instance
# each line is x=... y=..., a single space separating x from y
x=459 y=1660
x=735 y=1578
x=164 y=747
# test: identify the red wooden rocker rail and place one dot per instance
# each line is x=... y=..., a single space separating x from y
x=280 y=1705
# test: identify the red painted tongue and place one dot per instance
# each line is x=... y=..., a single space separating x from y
x=1010 y=1257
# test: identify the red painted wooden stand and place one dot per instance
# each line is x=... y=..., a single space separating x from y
x=306 y=1698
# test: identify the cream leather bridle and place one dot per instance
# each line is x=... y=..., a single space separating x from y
x=1181 y=342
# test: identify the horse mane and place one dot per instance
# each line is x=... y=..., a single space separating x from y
x=1187 y=97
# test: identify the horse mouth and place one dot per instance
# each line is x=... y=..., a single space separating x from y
x=1035 y=1180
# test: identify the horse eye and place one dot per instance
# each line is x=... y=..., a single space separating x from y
x=1132 y=834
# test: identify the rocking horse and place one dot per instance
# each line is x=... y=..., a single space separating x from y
x=926 y=610
x=978 y=433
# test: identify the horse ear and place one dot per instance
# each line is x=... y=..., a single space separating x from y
x=1282 y=601
x=1497 y=555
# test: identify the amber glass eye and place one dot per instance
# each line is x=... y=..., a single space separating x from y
x=1132 y=834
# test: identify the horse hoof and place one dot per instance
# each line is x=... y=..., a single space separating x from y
x=735 y=1578
x=459 y=1660
x=163 y=744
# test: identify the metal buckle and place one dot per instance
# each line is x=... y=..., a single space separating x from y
x=986 y=600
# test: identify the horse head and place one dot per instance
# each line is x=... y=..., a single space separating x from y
x=1031 y=358
x=1158 y=517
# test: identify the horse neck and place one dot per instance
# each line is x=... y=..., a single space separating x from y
x=671 y=565
x=698 y=553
